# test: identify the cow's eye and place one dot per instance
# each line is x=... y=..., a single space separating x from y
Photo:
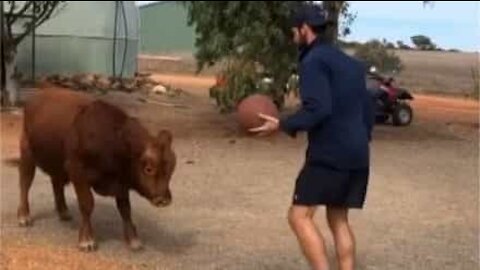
x=149 y=169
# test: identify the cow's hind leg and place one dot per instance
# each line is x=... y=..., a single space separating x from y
x=86 y=241
x=27 y=173
x=130 y=232
x=76 y=174
x=58 y=184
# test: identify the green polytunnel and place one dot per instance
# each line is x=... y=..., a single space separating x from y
x=81 y=37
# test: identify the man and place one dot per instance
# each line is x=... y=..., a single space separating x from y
x=337 y=114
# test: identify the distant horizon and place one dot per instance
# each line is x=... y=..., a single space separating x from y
x=450 y=25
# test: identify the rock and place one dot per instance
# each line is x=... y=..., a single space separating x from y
x=116 y=85
x=128 y=85
x=142 y=74
x=82 y=81
x=103 y=83
x=85 y=79
x=128 y=80
x=89 y=79
x=140 y=82
x=159 y=90
x=68 y=84
x=62 y=79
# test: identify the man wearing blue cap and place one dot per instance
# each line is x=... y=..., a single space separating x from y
x=337 y=115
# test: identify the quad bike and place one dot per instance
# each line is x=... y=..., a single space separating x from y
x=391 y=102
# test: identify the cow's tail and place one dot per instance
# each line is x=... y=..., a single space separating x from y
x=12 y=162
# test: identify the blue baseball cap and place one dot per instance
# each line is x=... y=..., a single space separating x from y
x=310 y=14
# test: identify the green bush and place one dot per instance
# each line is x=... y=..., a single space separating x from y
x=376 y=53
x=237 y=81
x=242 y=78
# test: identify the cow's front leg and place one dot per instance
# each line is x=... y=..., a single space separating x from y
x=130 y=232
x=27 y=172
x=86 y=241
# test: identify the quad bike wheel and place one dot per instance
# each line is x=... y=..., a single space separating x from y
x=402 y=115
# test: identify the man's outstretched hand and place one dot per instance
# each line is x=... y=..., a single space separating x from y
x=270 y=125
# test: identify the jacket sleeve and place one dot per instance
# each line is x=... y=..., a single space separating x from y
x=368 y=112
x=315 y=94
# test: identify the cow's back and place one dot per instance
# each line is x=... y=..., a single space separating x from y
x=48 y=116
x=99 y=143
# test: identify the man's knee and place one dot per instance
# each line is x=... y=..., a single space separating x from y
x=298 y=216
x=337 y=217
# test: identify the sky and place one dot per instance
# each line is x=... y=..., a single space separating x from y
x=449 y=24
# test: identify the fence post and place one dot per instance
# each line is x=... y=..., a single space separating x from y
x=3 y=99
x=34 y=21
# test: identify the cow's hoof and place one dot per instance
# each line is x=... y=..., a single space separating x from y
x=25 y=221
x=65 y=216
x=135 y=245
x=87 y=246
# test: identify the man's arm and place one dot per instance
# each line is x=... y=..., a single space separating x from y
x=368 y=112
x=315 y=93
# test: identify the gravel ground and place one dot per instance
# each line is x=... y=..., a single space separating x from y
x=231 y=194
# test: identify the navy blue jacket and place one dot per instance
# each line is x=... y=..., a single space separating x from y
x=336 y=108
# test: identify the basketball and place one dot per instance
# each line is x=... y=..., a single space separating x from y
x=249 y=108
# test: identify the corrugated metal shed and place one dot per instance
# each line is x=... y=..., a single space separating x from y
x=164 y=30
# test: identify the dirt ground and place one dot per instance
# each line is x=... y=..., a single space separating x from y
x=231 y=193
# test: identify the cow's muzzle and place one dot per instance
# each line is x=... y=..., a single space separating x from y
x=162 y=201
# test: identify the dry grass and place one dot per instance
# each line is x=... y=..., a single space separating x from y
x=438 y=72
x=430 y=72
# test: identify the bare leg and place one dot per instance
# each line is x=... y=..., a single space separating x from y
x=58 y=185
x=309 y=237
x=86 y=241
x=130 y=232
x=343 y=236
x=27 y=173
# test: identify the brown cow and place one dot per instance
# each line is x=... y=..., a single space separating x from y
x=94 y=145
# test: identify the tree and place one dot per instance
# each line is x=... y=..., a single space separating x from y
x=390 y=45
x=249 y=34
x=423 y=42
x=375 y=53
x=335 y=10
x=19 y=21
x=401 y=45
x=244 y=34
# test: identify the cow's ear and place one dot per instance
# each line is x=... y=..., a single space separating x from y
x=165 y=137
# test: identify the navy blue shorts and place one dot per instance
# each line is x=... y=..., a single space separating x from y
x=323 y=185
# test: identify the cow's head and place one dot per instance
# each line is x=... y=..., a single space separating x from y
x=155 y=169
